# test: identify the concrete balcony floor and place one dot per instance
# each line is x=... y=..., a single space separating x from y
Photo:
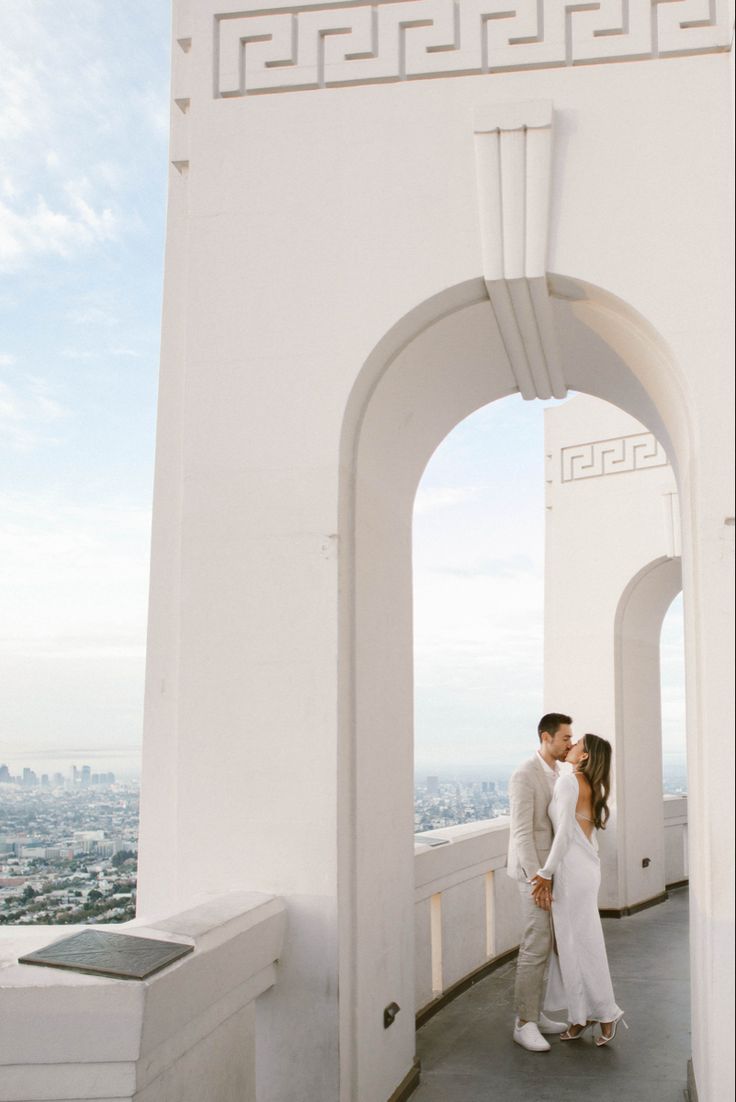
x=467 y=1054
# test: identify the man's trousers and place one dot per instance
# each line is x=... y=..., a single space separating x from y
x=534 y=950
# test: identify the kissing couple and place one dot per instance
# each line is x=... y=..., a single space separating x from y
x=553 y=856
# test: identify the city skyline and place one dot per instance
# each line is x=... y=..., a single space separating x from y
x=27 y=776
x=41 y=763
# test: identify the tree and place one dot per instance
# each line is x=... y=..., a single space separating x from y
x=122 y=856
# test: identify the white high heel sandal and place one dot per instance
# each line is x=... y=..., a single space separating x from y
x=568 y=1036
x=602 y=1039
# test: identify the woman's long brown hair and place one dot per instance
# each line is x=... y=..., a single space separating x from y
x=597 y=771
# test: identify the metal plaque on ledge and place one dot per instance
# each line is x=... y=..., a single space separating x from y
x=102 y=953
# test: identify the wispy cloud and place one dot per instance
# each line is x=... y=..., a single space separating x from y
x=154 y=109
x=431 y=499
x=28 y=410
x=517 y=567
x=74 y=577
x=127 y=353
x=468 y=626
x=90 y=314
x=83 y=122
x=39 y=230
x=61 y=71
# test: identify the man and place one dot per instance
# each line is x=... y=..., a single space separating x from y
x=530 y=841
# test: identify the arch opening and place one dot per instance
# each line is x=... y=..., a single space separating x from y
x=478 y=574
x=433 y=369
x=641 y=611
x=672 y=683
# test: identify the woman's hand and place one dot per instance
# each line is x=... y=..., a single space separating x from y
x=542 y=892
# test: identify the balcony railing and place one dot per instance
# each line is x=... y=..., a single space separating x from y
x=466 y=907
x=70 y=1035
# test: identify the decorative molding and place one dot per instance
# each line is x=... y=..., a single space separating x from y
x=620 y=455
x=181 y=83
x=347 y=42
x=513 y=146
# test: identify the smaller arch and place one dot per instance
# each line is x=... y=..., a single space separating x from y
x=639 y=826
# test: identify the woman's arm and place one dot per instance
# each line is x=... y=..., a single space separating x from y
x=566 y=794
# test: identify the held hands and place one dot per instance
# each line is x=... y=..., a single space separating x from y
x=542 y=892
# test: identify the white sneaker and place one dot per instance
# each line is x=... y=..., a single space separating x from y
x=529 y=1037
x=549 y=1025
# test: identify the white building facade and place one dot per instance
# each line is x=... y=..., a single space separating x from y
x=613 y=567
x=381 y=217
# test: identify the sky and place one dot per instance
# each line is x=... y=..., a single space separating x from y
x=83 y=170
x=479 y=599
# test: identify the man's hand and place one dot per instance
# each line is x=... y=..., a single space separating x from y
x=542 y=892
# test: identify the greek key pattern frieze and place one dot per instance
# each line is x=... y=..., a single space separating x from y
x=349 y=42
x=620 y=455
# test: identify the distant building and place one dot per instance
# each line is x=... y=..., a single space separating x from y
x=5 y=777
x=87 y=841
x=433 y=785
x=32 y=850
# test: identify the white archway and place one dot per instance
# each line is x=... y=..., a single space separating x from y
x=638 y=627
x=435 y=367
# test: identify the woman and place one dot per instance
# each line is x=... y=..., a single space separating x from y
x=579 y=980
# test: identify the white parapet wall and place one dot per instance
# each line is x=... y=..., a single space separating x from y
x=186 y=1034
x=466 y=907
x=675 y=839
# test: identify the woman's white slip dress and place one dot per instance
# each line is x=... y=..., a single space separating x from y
x=578 y=980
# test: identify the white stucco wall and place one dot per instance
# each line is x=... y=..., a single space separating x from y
x=612 y=569
x=313 y=234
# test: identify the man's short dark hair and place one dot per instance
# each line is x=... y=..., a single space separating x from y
x=551 y=723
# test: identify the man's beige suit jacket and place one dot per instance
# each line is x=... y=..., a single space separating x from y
x=530 y=836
